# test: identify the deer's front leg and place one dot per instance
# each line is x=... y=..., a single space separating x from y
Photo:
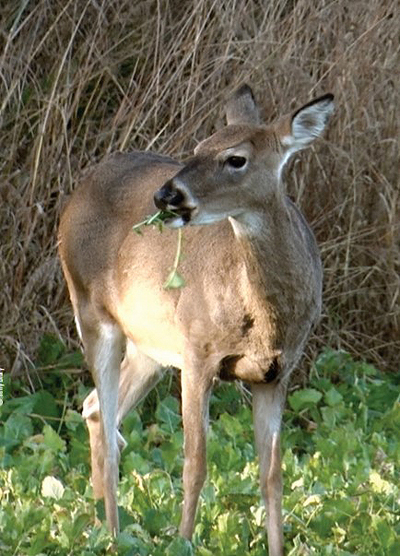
x=195 y=400
x=268 y=402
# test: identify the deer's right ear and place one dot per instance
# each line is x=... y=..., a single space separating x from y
x=242 y=108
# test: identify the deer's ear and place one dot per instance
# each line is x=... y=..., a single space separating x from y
x=242 y=108
x=308 y=123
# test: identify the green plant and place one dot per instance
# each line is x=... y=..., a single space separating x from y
x=174 y=279
x=340 y=451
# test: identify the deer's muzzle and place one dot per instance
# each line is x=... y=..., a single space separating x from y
x=172 y=197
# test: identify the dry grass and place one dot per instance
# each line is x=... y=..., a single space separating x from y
x=81 y=78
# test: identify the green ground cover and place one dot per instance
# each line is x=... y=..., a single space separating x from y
x=340 y=453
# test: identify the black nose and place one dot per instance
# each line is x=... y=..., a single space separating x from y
x=168 y=196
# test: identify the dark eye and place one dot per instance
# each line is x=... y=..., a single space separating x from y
x=236 y=161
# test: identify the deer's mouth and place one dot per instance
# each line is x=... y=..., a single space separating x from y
x=179 y=217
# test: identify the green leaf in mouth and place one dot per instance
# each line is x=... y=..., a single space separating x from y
x=156 y=219
x=174 y=279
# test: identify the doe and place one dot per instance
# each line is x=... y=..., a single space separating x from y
x=253 y=289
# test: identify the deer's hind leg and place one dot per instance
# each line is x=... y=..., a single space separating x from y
x=139 y=374
x=103 y=343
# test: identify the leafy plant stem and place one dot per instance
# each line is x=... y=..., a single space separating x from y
x=174 y=279
x=65 y=406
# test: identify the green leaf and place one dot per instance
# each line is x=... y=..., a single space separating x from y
x=333 y=397
x=80 y=522
x=125 y=541
x=136 y=463
x=46 y=405
x=50 y=350
x=18 y=427
x=53 y=440
x=73 y=360
x=156 y=219
x=384 y=532
x=168 y=413
x=179 y=546
x=202 y=551
x=174 y=281
x=301 y=399
x=73 y=420
x=39 y=543
x=329 y=416
x=22 y=404
x=100 y=509
x=154 y=520
x=391 y=419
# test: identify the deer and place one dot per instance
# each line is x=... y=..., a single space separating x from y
x=252 y=294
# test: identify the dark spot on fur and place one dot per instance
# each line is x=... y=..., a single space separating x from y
x=247 y=324
x=272 y=372
x=227 y=367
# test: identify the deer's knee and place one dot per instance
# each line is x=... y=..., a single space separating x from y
x=91 y=408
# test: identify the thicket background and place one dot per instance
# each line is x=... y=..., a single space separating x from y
x=79 y=79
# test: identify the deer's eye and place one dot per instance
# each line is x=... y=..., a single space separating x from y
x=236 y=161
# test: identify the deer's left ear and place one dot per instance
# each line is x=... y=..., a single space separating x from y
x=308 y=123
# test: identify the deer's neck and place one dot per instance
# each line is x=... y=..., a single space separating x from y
x=282 y=271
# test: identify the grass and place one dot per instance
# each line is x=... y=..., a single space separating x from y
x=79 y=79
x=340 y=452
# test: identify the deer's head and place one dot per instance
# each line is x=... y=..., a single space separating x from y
x=238 y=169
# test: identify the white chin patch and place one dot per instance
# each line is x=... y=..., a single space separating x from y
x=176 y=222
